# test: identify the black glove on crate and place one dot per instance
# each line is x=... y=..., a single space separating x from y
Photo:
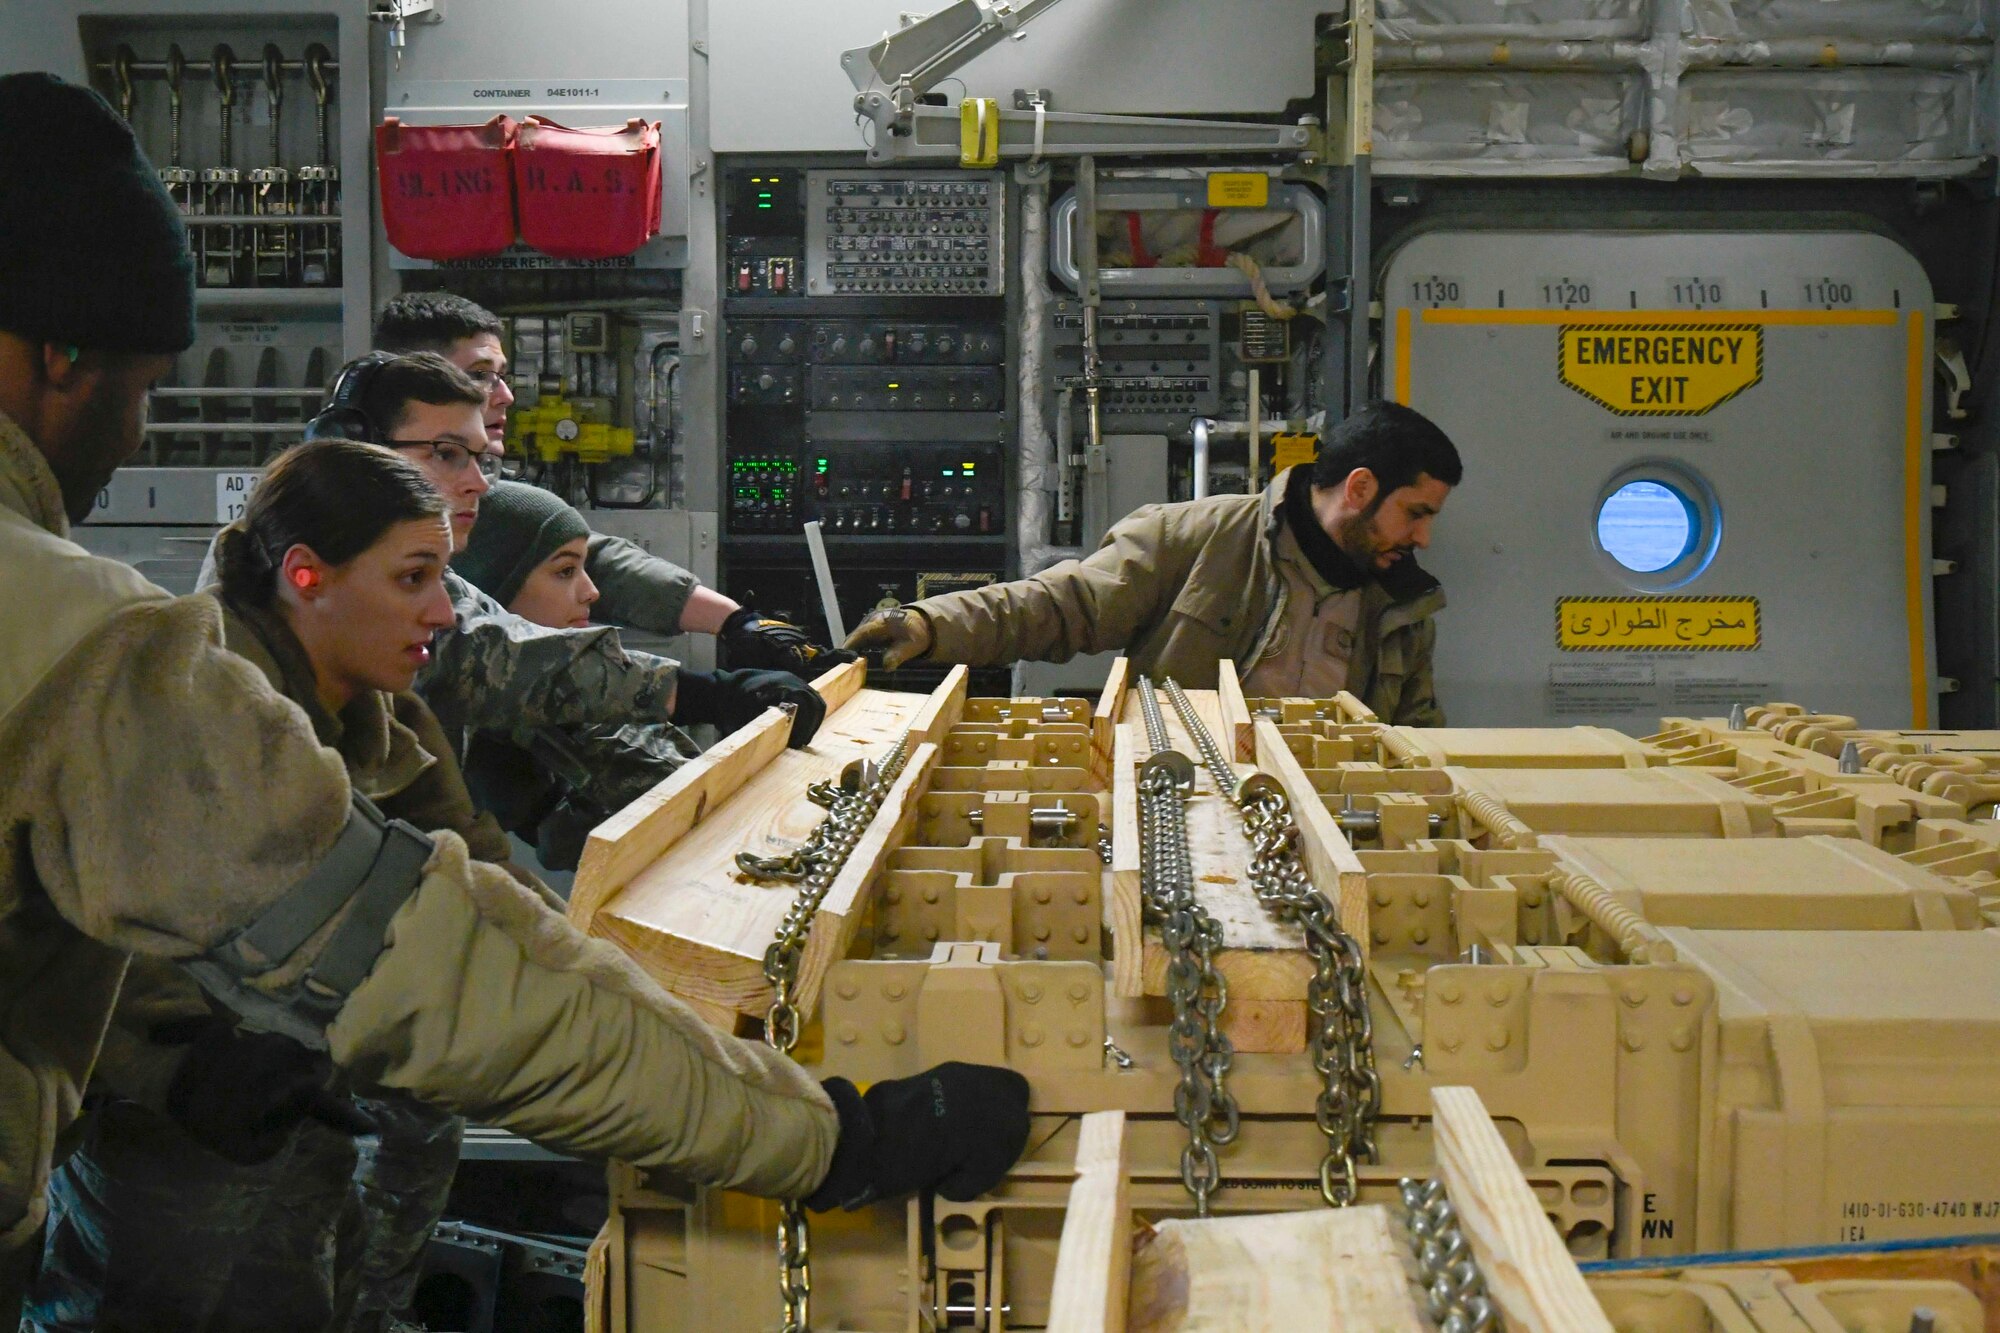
x=731 y=699
x=956 y=1129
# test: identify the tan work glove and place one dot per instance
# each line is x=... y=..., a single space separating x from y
x=894 y=636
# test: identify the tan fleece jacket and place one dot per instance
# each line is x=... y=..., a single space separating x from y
x=156 y=793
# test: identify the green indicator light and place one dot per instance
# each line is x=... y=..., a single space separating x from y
x=820 y=464
x=948 y=472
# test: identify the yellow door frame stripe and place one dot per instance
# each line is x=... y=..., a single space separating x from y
x=1916 y=561
x=1403 y=356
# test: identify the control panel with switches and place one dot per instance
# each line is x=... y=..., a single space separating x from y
x=867 y=376
x=905 y=389
x=1161 y=361
x=882 y=489
x=763 y=493
x=922 y=234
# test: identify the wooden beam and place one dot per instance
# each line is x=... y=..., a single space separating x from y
x=1125 y=912
x=638 y=835
x=942 y=711
x=842 y=683
x=1094 y=1261
x=1262 y=958
x=1529 y=1274
x=695 y=921
x=1346 y=1270
x=1236 y=733
x=852 y=895
x=1110 y=705
x=1331 y=862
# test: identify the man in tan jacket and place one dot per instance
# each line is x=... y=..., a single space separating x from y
x=1311 y=588
x=158 y=797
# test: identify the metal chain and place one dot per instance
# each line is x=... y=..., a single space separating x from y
x=851 y=806
x=1454 y=1288
x=1202 y=1100
x=1343 y=1034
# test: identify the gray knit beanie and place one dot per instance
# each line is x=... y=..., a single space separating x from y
x=92 y=251
x=519 y=527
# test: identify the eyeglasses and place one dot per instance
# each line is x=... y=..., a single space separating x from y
x=453 y=456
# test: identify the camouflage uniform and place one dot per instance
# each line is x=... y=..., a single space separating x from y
x=498 y=672
x=553 y=784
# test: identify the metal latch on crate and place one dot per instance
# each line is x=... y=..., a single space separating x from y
x=891 y=1019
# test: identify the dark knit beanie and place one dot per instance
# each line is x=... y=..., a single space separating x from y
x=92 y=251
x=519 y=527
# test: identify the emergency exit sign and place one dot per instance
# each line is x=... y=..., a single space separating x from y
x=1669 y=369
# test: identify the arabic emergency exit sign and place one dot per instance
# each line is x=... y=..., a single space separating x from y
x=1669 y=369
x=1658 y=624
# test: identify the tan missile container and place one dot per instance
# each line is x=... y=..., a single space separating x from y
x=1714 y=993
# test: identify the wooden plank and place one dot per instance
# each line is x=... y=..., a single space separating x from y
x=851 y=896
x=695 y=921
x=1346 y=1270
x=1094 y=1261
x=1128 y=938
x=1105 y=719
x=639 y=834
x=1216 y=845
x=942 y=711
x=1330 y=860
x=842 y=683
x=1262 y=958
x=1236 y=735
x=636 y=836
x=1265 y=1027
x=1529 y=1274
x=1275 y=975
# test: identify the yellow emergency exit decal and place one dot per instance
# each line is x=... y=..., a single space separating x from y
x=1670 y=369
x=1238 y=189
x=1658 y=624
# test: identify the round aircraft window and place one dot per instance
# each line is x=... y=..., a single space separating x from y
x=1647 y=526
x=1657 y=525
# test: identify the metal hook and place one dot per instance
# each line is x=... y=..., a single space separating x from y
x=223 y=64
x=274 y=73
x=176 y=70
x=121 y=72
x=316 y=58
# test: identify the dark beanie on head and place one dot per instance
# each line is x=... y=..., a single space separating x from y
x=519 y=527
x=92 y=251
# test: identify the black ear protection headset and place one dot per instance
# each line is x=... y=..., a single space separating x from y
x=344 y=417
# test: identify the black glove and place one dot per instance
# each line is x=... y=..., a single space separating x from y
x=955 y=1129
x=756 y=640
x=241 y=1094
x=732 y=699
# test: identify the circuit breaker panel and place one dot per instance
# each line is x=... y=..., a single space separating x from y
x=867 y=385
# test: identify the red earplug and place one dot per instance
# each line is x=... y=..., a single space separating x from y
x=305 y=578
